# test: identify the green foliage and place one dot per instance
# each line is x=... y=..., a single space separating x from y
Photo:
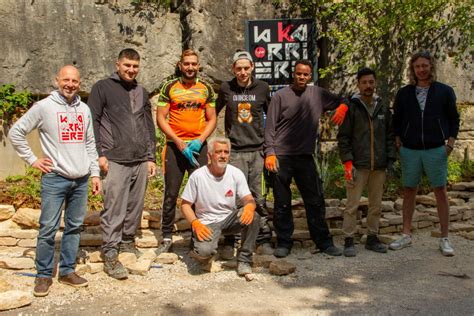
x=382 y=34
x=27 y=187
x=332 y=174
x=152 y=3
x=13 y=104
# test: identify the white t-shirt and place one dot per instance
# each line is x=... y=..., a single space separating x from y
x=215 y=197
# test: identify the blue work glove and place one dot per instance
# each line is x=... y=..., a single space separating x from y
x=195 y=145
x=189 y=154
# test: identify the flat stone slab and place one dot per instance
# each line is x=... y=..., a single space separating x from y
x=17 y=263
x=6 y=212
x=167 y=258
x=14 y=299
x=27 y=217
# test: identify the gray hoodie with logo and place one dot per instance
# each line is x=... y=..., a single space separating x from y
x=66 y=136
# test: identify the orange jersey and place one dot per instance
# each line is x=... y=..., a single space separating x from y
x=187 y=106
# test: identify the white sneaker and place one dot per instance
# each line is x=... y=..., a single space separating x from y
x=400 y=243
x=445 y=247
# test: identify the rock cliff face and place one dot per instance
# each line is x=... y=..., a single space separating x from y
x=40 y=36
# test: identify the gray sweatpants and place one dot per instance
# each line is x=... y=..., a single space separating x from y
x=251 y=164
x=230 y=226
x=124 y=191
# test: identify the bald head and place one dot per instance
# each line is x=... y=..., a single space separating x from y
x=68 y=81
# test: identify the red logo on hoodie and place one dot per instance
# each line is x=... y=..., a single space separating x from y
x=71 y=127
x=229 y=193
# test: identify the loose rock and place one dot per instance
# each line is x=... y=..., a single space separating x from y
x=14 y=299
x=281 y=267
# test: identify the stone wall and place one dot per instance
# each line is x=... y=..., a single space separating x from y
x=19 y=228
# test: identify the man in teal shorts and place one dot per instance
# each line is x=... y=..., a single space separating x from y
x=426 y=124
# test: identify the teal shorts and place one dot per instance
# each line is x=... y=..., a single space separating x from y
x=433 y=161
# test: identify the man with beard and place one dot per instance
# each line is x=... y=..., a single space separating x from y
x=366 y=147
x=214 y=190
x=125 y=136
x=186 y=115
x=245 y=100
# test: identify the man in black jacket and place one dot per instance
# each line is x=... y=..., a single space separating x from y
x=426 y=124
x=125 y=138
x=366 y=146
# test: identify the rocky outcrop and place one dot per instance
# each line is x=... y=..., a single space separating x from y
x=41 y=36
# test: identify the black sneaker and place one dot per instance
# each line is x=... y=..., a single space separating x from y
x=349 y=248
x=166 y=246
x=332 y=251
x=281 y=252
x=374 y=244
x=130 y=247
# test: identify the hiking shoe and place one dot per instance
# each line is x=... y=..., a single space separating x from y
x=445 y=247
x=73 y=279
x=227 y=252
x=42 y=286
x=349 y=248
x=281 y=252
x=243 y=268
x=265 y=249
x=113 y=267
x=373 y=243
x=131 y=248
x=400 y=243
x=165 y=246
x=332 y=251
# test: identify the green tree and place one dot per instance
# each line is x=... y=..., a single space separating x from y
x=383 y=34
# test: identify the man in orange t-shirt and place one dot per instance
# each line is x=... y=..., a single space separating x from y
x=186 y=115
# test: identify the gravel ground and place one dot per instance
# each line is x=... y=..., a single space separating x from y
x=414 y=281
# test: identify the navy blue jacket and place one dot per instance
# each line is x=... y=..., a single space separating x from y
x=430 y=128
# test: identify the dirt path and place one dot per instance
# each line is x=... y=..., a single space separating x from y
x=407 y=282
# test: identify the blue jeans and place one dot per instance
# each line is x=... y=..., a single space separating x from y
x=55 y=190
x=303 y=169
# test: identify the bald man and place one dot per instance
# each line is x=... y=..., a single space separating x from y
x=69 y=158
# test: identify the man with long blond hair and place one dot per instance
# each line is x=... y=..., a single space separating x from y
x=186 y=115
x=426 y=124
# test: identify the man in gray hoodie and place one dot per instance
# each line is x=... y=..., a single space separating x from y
x=67 y=141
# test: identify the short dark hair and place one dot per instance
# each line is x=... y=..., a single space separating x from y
x=129 y=53
x=365 y=71
x=305 y=62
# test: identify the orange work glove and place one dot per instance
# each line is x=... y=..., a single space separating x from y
x=247 y=215
x=202 y=231
x=348 y=170
x=271 y=163
x=340 y=114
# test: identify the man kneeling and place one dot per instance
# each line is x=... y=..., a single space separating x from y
x=214 y=189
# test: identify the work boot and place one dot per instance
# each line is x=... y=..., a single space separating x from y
x=243 y=268
x=265 y=249
x=349 y=248
x=113 y=267
x=166 y=246
x=42 y=286
x=73 y=279
x=281 y=252
x=227 y=252
x=129 y=246
x=374 y=244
